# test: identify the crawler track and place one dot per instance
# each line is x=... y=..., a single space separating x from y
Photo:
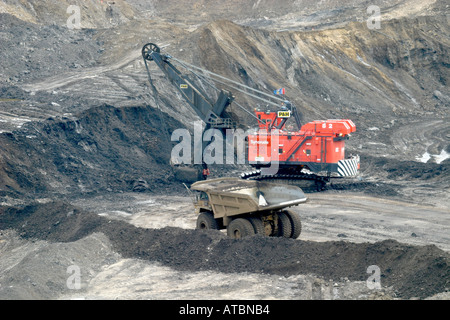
x=307 y=182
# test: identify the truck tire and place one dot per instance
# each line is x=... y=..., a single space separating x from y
x=206 y=221
x=258 y=225
x=284 y=225
x=240 y=228
x=295 y=223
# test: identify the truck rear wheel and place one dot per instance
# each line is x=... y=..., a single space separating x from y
x=205 y=221
x=240 y=228
x=258 y=225
x=284 y=225
x=295 y=223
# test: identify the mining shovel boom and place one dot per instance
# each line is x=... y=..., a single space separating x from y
x=307 y=157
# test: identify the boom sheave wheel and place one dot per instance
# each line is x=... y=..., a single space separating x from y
x=148 y=49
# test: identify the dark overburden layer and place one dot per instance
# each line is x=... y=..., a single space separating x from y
x=413 y=271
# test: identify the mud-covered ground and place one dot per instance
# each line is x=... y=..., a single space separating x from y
x=144 y=246
x=81 y=133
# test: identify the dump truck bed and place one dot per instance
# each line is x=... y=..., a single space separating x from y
x=233 y=196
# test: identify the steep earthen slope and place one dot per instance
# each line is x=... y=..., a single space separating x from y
x=93 y=13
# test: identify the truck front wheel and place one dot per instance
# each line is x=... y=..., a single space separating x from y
x=205 y=221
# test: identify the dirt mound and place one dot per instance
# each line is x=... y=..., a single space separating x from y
x=105 y=148
x=59 y=222
x=402 y=175
x=410 y=170
x=37 y=270
x=412 y=271
x=399 y=173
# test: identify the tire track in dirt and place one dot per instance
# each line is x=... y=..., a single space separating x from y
x=66 y=79
x=422 y=137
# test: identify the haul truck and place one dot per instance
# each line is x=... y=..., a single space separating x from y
x=247 y=207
